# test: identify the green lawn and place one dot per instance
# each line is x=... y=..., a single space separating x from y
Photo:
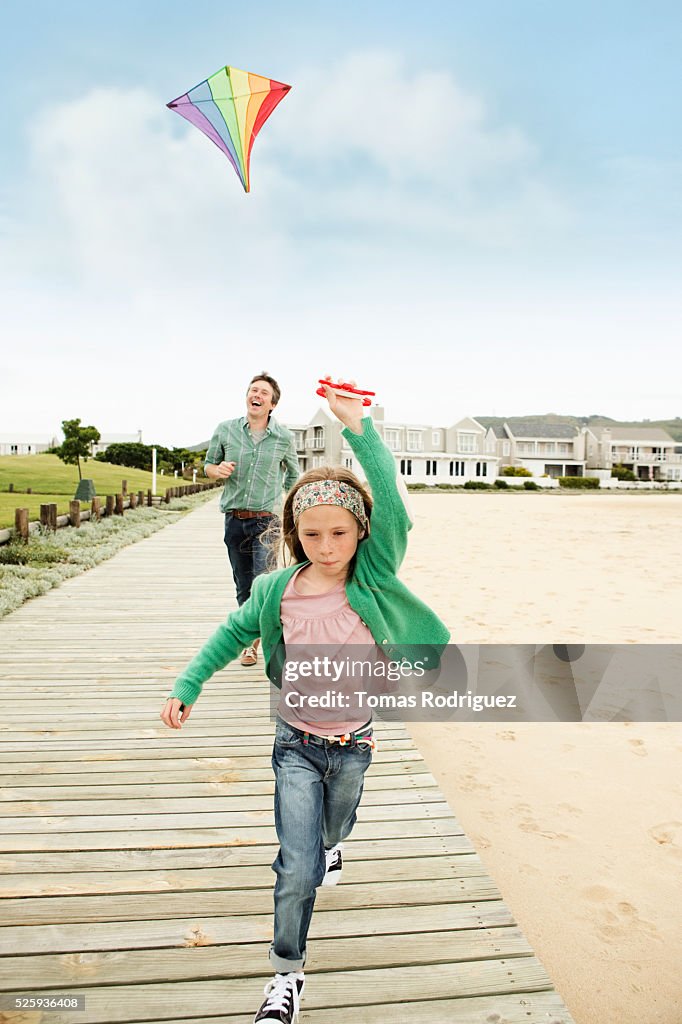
x=53 y=481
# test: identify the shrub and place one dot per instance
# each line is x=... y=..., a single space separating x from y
x=530 y=485
x=416 y=487
x=32 y=552
x=502 y=485
x=621 y=473
x=476 y=485
x=516 y=471
x=579 y=482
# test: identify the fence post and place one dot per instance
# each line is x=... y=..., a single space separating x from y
x=133 y=500
x=48 y=516
x=109 y=507
x=119 y=505
x=124 y=488
x=96 y=509
x=168 y=495
x=140 y=498
x=150 y=501
x=75 y=513
x=11 y=488
x=21 y=522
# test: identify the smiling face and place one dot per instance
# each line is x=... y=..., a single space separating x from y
x=329 y=536
x=259 y=399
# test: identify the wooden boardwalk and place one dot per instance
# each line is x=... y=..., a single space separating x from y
x=135 y=861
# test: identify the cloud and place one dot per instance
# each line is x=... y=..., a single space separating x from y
x=367 y=151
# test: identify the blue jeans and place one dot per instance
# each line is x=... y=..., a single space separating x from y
x=317 y=791
x=248 y=557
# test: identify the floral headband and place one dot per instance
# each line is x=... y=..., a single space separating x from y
x=330 y=492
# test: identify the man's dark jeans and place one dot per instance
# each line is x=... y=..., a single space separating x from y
x=248 y=557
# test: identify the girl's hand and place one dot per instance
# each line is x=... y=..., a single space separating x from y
x=171 y=713
x=349 y=410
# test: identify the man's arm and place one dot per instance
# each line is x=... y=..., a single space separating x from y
x=291 y=467
x=215 y=468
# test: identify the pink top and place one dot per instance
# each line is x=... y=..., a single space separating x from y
x=325 y=624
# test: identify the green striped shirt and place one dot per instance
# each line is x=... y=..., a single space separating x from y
x=262 y=468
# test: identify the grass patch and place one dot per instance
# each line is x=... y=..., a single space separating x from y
x=47 y=474
x=46 y=559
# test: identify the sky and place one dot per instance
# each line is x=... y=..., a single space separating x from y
x=471 y=209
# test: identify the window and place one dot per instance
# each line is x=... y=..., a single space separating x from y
x=431 y=467
x=392 y=438
x=481 y=469
x=14 y=449
x=435 y=438
x=526 y=447
x=348 y=463
x=414 y=441
x=456 y=468
x=506 y=447
x=466 y=442
x=406 y=467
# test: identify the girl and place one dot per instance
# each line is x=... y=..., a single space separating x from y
x=341 y=588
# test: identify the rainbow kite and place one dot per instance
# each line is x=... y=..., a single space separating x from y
x=231 y=107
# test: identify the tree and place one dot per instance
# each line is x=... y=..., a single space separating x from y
x=77 y=443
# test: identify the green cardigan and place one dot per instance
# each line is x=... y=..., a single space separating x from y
x=402 y=624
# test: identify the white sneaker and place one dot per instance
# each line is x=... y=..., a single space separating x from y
x=334 y=865
x=283 y=994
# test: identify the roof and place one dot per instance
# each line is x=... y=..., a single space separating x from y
x=533 y=428
x=635 y=434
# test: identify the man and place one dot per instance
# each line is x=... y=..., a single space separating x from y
x=256 y=457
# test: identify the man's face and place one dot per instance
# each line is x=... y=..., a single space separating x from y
x=259 y=398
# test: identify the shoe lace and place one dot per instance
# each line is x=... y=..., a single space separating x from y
x=280 y=990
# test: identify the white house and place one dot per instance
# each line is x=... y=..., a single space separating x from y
x=25 y=444
x=650 y=452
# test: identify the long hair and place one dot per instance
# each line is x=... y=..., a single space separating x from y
x=287 y=540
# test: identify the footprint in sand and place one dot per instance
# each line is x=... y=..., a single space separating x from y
x=614 y=919
x=668 y=833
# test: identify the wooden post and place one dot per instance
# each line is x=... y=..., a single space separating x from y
x=140 y=498
x=133 y=499
x=168 y=495
x=11 y=488
x=48 y=516
x=75 y=513
x=149 y=498
x=29 y=490
x=96 y=510
x=119 y=505
x=109 y=507
x=21 y=522
x=124 y=488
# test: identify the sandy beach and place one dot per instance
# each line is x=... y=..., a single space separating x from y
x=579 y=824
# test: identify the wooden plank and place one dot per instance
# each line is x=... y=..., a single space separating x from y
x=187 y=838
x=123 y=1003
x=57 y=883
x=159 y=786
x=207 y=857
x=69 y=774
x=243 y=960
x=529 y=1008
x=145 y=907
x=205 y=930
x=193 y=805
